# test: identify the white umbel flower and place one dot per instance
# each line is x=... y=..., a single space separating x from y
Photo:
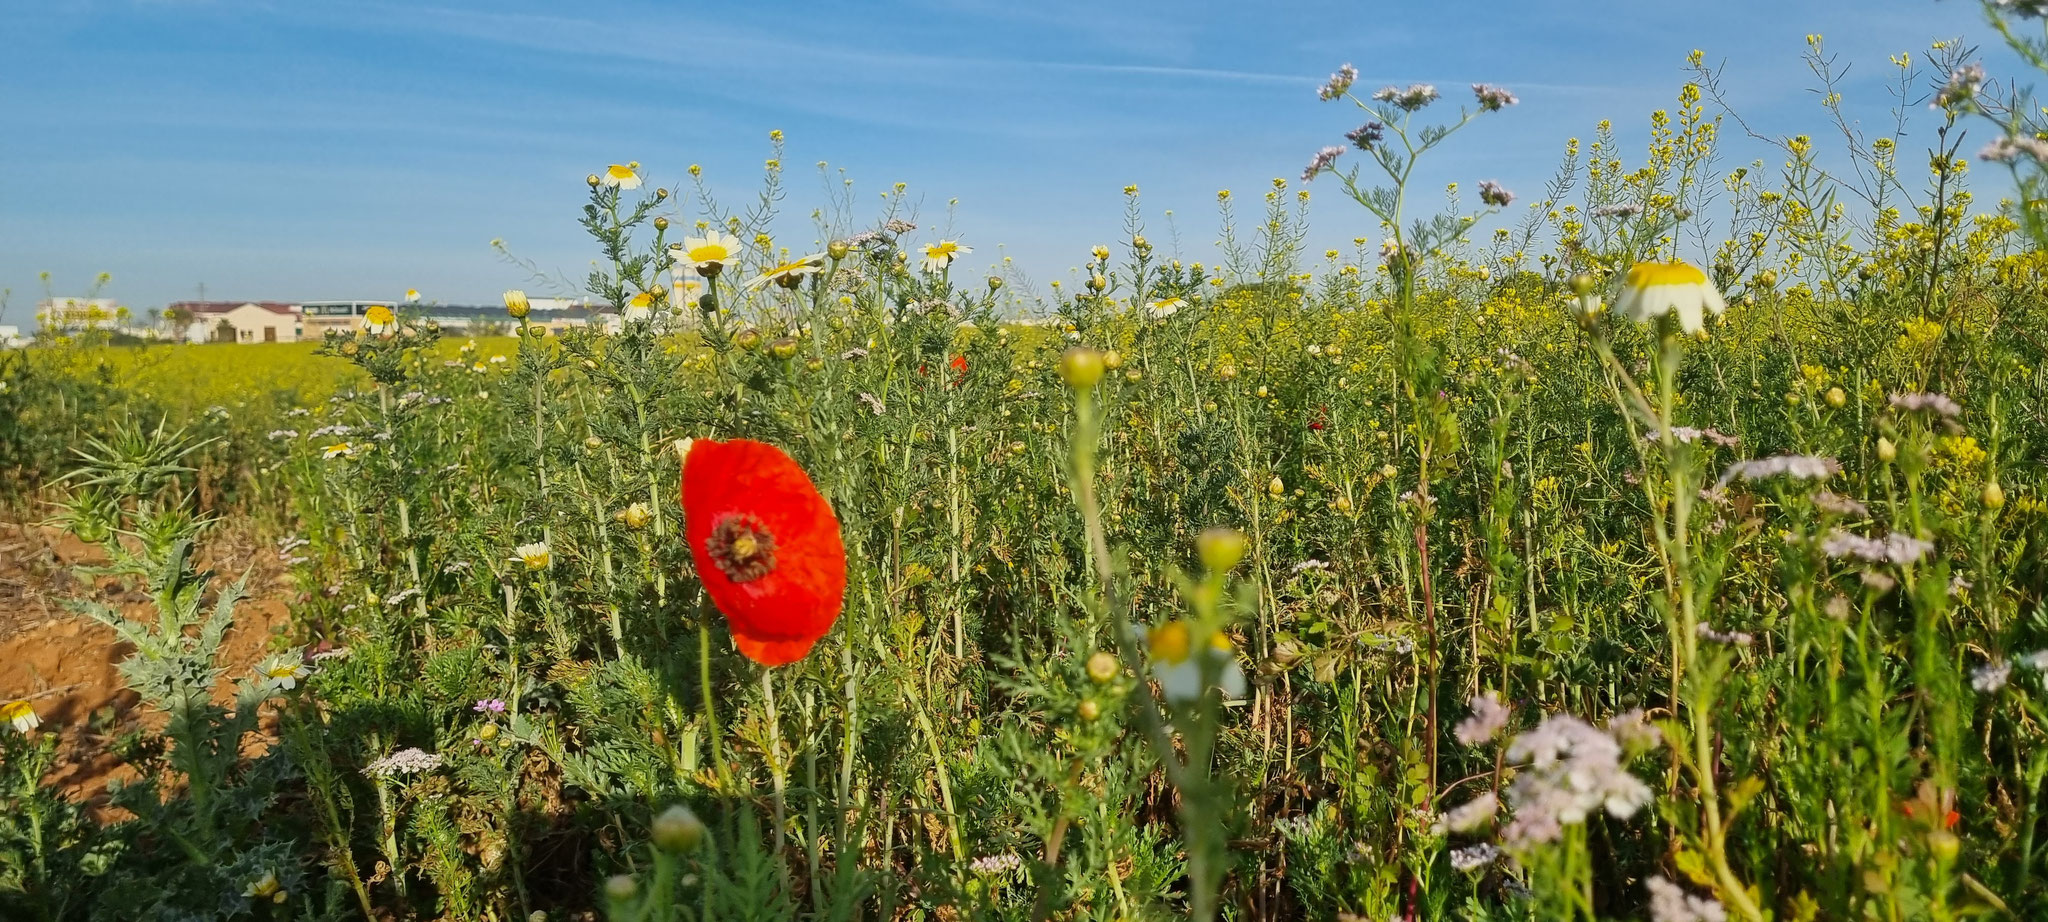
x=1655 y=289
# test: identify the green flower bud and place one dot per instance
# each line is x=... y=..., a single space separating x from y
x=678 y=829
x=1081 y=367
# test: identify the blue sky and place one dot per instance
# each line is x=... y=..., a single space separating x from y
x=301 y=150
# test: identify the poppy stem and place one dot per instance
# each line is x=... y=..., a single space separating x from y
x=775 y=767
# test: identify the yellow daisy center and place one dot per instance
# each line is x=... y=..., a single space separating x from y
x=378 y=313
x=618 y=171
x=642 y=299
x=1647 y=275
x=281 y=670
x=1169 y=642
x=710 y=253
x=938 y=250
x=15 y=709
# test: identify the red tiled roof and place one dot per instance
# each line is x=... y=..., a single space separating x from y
x=222 y=307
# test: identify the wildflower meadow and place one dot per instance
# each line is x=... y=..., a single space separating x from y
x=1670 y=549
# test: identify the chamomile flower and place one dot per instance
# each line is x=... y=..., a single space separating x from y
x=21 y=715
x=1164 y=308
x=284 y=670
x=707 y=254
x=1655 y=289
x=624 y=176
x=938 y=256
x=535 y=556
x=338 y=450
x=640 y=307
x=379 y=320
x=412 y=296
x=1177 y=664
x=790 y=274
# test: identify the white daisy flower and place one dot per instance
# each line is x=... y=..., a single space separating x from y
x=790 y=274
x=379 y=320
x=536 y=556
x=1164 y=308
x=1178 y=665
x=338 y=450
x=707 y=254
x=284 y=669
x=21 y=715
x=639 y=308
x=939 y=255
x=624 y=176
x=1655 y=289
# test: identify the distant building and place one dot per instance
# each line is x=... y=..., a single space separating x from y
x=69 y=314
x=317 y=318
x=235 y=321
x=11 y=338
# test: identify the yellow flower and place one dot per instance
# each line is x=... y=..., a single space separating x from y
x=622 y=176
x=1655 y=289
x=939 y=255
x=338 y=450
x=790 y=274
x=709 y=253
x=266 y=887
x=636 y=516
x=379 y=319
x=517 y=305
x=22 y=715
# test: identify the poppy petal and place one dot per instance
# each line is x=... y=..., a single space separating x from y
x=772 y=652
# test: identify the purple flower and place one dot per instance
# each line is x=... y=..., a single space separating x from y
x=1963 y=84
x=1489 y=716
x=1492 y=98
x=1491 y=193
x=490 y=706
x=1938 y=404
x=1323 y=160
x=1338 y=84
x=1410 y=99
x=1365 y=136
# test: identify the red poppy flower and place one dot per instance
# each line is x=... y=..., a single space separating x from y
x=766 y=544
x=959 y=364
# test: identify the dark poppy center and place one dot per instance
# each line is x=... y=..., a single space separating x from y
x=741 y=547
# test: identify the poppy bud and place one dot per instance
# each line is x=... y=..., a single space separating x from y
x=620 y=887
x=1994 y=495
x=1886 y=451
x=1837 y=397
x=1221 y=548
x=678 y=829
x=1103 y=666
x=661 y=224
x=1081 y=367
x=784 y=348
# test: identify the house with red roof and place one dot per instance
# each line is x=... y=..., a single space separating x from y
x=235 y=321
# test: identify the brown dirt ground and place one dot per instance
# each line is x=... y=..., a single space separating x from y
x=64 y=664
